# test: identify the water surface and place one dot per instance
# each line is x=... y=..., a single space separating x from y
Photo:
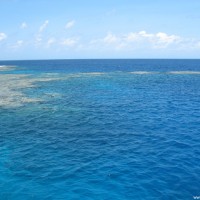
x=100 y=129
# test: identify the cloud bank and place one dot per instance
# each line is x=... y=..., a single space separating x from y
x=141 y=39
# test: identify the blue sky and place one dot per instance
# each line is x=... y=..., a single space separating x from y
x=44 y=29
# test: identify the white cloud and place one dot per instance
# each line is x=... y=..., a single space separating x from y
x=163 y=40
x=38 y=40
x=3 y=36
x=131 y=37
x=145 y=34
x=18 y=44
x=50 y=42
x=23 y=25
x=157 y=40
x=70 y=24
x=39 y=35
x=110 y=38
x=138 y=36
x=137 y=40
x=43 y=26
x=70 y=42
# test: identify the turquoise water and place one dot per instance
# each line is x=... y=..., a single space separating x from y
x=100 y=129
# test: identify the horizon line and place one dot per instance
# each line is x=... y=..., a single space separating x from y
x=100 y=59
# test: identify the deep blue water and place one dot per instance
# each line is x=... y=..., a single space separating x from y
x=114 y=135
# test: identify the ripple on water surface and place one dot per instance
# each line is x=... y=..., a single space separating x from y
x=100 y=136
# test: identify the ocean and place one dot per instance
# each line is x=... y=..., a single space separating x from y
x=100 y=129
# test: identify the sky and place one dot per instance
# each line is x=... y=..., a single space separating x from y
x=78 y=29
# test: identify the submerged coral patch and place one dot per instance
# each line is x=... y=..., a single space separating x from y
x=13 y=85
x=184 y=72
x=142 y=72
x=6 y=68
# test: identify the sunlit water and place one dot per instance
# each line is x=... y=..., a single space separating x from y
x=100 y=129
